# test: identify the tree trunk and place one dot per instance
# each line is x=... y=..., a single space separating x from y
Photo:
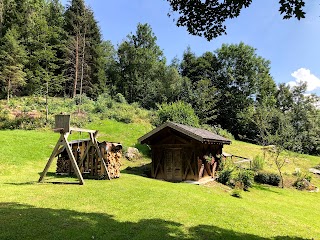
x=76 y=66
x=82 y=65
x=47 y=107
x=8 y=90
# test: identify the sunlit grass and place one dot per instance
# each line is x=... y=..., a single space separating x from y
x=135 y=207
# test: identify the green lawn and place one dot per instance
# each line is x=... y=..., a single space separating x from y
x=135 y=207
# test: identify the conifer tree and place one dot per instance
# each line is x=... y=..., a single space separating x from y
x=12 y=59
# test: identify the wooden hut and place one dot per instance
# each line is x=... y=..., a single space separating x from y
x=181 y=152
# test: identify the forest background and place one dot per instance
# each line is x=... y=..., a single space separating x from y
x=47 y=49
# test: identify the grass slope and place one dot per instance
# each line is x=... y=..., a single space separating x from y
x=134 y=207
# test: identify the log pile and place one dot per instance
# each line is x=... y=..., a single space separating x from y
x=111 y=152
x=92 y=166
x=63 y=163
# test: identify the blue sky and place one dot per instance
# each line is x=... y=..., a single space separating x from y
x=292 y=46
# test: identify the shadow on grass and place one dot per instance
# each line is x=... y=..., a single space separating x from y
x=143 y=149
x=265 y=188
x=20 y=221
x=143 y=170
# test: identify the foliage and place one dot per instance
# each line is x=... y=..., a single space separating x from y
x=240 y=76
x=178 y=112
x=141 y=67
x=257 y=163
x=207 y=18
x=120 y=98
x=244 y=178
x=303 y=180
x=224 y=176
x=12 y=59
x=267 y=178
x=222 y=132
x=28 y=112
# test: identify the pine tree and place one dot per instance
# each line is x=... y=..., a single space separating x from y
x=12 y=59
x=84 y=50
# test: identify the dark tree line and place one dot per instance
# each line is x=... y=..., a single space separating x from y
x=49 y=50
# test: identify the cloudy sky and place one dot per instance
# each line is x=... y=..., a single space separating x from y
x=292 y=46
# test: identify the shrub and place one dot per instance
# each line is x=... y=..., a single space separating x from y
x=179 y=112
x=103 y=103
x=224 y=176
x=267 y=178
x=244 y=178
x=223 y=132
x=257 y=163
x=303 y=180
x=120 y=98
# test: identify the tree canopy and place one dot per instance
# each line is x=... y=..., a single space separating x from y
x=207 y=18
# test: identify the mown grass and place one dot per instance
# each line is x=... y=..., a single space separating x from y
x=294 y=161
x=135 y=207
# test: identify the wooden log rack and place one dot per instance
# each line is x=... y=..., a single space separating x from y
x=62 y=125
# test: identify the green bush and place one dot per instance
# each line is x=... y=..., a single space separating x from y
x=120 y=98
x=244 y=178
x=222 y=132
x=267 y=178
x=303 y=180
x=179 y=112
x=103 y=103
x=224 y=176
x=257 y=163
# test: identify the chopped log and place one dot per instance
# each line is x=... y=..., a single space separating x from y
x=92 y=164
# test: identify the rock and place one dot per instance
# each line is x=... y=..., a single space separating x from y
x=132 y=153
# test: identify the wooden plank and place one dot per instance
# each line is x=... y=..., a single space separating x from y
x=95 y=144
x=314 y=170
x=243 y=161
x=73 y=160
x=75 y=129
x=53 y=154
x=62 y=122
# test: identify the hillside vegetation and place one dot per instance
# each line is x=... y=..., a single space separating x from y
x=136 y=207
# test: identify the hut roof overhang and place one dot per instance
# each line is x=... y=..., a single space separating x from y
x=197 y=134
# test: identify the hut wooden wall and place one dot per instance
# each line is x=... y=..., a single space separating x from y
x=181 y=161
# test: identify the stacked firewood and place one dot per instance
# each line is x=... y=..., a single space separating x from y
x=111 y=153
x=63 y=165
x=92 y=166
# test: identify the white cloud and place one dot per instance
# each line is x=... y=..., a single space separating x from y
x=305 y=75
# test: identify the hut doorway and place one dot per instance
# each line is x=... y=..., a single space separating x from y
x=173 y=164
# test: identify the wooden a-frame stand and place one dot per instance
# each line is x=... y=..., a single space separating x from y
x=63 y=126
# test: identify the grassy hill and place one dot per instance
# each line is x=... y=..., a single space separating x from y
x=136 y=207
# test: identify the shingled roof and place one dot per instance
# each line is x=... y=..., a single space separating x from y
x=198 y=134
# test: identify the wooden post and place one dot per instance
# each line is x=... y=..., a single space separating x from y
x=73 y=160
x=53 y=154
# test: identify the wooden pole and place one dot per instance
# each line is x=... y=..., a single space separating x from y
x=53 y=154
x=73 y=160
x=95 y=144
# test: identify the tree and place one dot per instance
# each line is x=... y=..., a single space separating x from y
x=179 y=112
x=142 y=68
x=207 y=18
x=202 y=72
x=84 y=57
x=243 y=80
x=12 y=59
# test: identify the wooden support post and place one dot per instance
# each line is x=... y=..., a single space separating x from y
x=73 y=160
x=53 y=154
x=95 y=144
x=64 y=142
